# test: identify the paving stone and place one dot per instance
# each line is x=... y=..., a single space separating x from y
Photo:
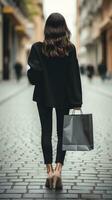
x=5 y=196
x=16 y=191
x=87 y=177
x=15 y=179
x=19 y=187
x=80 y=191
x=86 y=184
x=99 y=191
x=89 y=196
x=36 y=187
x=103 y=187
x=3 y=180
x=44 y=191
x=47 y=199
x=82 y=187
x=36 y=195
x=58 y=195
x=21 y=184
x=104 y=184
x=5 y=186
x=107 y=181
x=1 y=191
x=109 y=192
x=107 y=196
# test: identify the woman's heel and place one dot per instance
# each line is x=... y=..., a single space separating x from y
x=49 y=179
x=49 y=183
x=57 y=181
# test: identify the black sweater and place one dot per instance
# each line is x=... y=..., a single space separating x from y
x=57 y=80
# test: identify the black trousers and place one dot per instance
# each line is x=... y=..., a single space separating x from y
x=45 y=114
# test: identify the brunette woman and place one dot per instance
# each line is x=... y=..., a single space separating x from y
x=54 y=70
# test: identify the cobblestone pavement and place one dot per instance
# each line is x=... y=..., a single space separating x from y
x=9 y=89
x=98 y=84
x=86 y=175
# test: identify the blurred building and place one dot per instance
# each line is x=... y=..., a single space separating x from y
x=21 y=24
x=38 y=21
x=95 y=32
x=77 y=26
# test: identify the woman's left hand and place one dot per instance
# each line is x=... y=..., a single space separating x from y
x=77 y=108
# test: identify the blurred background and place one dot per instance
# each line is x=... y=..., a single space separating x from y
x=87 y=175
x=90 y=22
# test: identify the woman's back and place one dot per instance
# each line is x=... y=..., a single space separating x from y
x=54 y=66
x=56 y=71
x=57 y=81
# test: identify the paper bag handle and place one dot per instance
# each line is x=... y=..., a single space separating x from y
x=78 y=109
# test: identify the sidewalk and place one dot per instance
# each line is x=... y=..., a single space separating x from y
x=85 y=175
x=10 y=88
x=104 y=87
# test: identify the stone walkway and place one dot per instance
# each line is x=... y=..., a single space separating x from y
x=86 y=175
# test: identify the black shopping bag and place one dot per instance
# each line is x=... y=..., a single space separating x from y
x=78 y=132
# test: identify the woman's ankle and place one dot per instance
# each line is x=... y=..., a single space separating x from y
x=49 y=168
x=58 y=167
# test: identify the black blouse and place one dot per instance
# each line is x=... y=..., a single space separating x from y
x=57 y=80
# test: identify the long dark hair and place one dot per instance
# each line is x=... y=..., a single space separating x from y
x=57 y=36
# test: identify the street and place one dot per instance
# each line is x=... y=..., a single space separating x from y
x=85 y=175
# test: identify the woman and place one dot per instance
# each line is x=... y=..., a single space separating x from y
x=54 y=70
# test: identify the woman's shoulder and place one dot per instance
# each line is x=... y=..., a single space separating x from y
x=72 y=50
x=72 y=47
x=36 y=47
x=37 y=44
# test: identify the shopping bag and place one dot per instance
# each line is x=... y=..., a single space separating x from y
x=78 y=132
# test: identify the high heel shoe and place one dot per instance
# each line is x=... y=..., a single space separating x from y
x=57 y=181
x=49 y=179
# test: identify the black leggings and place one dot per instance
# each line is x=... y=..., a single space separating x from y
x=45 y=114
